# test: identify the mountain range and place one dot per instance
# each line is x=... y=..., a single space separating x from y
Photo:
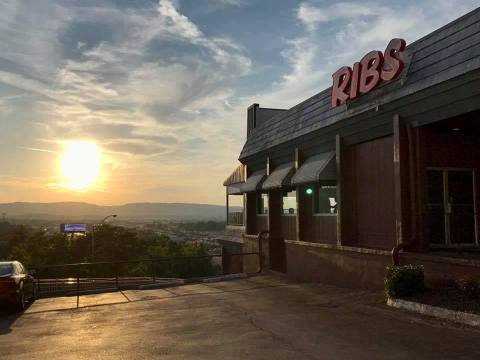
x=70 y=211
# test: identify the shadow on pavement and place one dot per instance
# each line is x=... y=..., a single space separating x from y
x=8 y=316
x=172 y=293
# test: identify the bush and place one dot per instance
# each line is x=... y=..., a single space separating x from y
x=404 y=281
x=468 y=288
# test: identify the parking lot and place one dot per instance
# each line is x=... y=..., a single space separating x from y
x=261 y=317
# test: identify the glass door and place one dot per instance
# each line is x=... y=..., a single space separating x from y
x=450 y=210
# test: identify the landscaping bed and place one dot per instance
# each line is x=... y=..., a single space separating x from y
x=451 y=299
x=456 y=299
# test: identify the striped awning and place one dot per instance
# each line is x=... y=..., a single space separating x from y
x=237 y=176
x=280 y=177
x=235 y=189
x=316 y=168
x=254 y=181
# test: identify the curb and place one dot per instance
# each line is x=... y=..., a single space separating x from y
x=434 y=311
x=161 y=285
x=225 y=277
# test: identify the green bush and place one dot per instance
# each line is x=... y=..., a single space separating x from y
x=468 y=288
x=404 y=281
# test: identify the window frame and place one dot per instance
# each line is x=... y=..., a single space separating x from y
x=296 y=202
x=259 y=200
x=315 y=194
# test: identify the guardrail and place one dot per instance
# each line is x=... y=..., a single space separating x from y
x=235 y=218
x=74 y=279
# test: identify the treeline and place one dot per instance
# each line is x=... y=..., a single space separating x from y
x=38 y=249
x=203 y=226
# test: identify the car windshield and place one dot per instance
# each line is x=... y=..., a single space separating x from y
x=6 y=269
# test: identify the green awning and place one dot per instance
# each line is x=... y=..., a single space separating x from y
x=280 y=177
x=316 y=168
x=254 y=181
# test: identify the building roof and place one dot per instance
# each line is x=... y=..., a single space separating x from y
x=448 y=53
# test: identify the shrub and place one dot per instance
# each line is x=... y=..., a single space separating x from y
x=468 y=288
x=404 y=281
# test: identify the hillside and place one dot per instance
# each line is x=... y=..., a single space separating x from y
x=134 y=211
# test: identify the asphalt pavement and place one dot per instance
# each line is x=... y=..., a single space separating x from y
x=262 y=317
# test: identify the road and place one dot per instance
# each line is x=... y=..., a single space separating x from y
x=262 y=317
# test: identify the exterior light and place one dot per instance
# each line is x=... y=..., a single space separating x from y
x=309 y=191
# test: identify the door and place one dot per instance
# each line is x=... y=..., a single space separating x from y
x=450 y=218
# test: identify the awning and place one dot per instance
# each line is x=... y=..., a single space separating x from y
x=237 y=176
x=235 y=181
x=316 y=168
x=254 y=182
x=280 y=177
x=235 y=189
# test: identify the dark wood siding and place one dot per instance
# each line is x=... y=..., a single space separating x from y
x=324 y=229
x=289 y=227
x=371 y=221
x=262 y=223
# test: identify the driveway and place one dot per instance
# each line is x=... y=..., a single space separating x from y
x=262 y=317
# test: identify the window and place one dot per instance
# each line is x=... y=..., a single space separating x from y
x=289 y=203
x=326 y=198
x=262 y=204
x=6 y=269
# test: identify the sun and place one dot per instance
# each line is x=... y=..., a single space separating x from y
x=80 y=165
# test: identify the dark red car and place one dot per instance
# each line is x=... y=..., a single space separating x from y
x=17 y=286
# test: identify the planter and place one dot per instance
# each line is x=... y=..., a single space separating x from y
x=438 y=312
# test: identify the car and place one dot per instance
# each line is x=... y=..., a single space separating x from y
x=17 y=285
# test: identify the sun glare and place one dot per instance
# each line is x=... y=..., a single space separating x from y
x=80 y=165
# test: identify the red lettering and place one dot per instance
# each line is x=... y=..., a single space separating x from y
x=393 y=63
x=341 y=82
x=354 y=87
x=370 y=74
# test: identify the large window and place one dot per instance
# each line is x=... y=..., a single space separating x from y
x=289 y=203
x=262 y=204
x=326 y=198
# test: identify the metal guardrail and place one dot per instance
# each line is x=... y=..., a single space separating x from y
x=235 y=218
x=74 y=279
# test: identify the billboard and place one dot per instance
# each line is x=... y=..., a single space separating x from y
x=73 y=228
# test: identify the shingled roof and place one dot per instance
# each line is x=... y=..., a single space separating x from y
x=445 y=54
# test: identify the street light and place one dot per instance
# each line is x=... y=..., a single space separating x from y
x=93 y=232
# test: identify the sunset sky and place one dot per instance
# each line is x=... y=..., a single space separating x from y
x=152 y=95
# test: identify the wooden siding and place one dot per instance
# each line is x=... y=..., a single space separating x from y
x=289 y=227
x=371 y=221
x=315 y=228
x=262 y=223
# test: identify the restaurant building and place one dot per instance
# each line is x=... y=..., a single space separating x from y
x=387 y=160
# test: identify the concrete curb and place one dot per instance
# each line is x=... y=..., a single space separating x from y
x=438 y=312
x=161 y=285
x=225 y=277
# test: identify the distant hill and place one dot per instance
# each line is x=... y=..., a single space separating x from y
x=70 y=211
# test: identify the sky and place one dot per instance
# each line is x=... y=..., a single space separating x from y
x=162 y=87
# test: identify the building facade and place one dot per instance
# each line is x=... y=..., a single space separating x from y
x=385 y=161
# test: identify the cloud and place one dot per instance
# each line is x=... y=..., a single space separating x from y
x=311 y=16
x=104 y=73
x=341 y=33
x=164 y=94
